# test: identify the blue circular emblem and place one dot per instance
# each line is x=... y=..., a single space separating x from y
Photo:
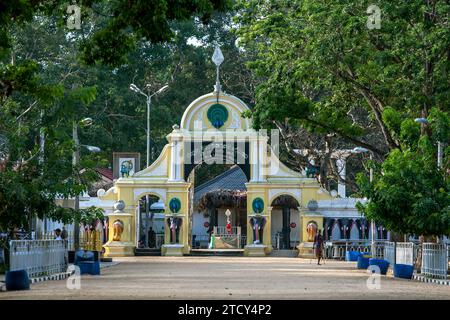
x=217 y=114
x=258 y=205
x=175 y=205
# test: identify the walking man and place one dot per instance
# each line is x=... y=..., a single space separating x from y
x=318 y=246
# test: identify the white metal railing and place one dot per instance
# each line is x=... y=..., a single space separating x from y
x=38 y=257
x=389 y=252
x=405 y=253
x=202 y=240
x=400 y=253
x=337 y=249
x=435 y=260
x=236 y=230
x=89 y=240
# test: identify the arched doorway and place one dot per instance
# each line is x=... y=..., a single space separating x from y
x=150 y=222
x=336 y=231
x=354 y=231
x=284 y=227
x=219 y=203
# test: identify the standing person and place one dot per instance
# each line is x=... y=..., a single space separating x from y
x=151 y=238
x=58 y=234
x=64 y=234
x=318 y=246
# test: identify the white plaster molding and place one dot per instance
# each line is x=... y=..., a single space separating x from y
x=236 y=120
x=231 y=102
x=275 y=192
x=139 y=192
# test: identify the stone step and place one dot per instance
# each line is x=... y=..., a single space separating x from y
x=216 y=252
x=284 y=253
x=142 y=252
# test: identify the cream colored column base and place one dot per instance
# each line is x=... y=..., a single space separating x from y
x=172 y=250
x=255 y=250
x=306 y=250
x=118 y=249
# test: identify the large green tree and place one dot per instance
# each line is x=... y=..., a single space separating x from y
x=410 y=193
x=326 y=72
x=46 y=86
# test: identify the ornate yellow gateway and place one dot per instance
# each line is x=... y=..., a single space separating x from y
x=212 y=130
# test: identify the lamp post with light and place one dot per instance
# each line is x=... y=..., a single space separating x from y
x=86 y=122
x=148 y=96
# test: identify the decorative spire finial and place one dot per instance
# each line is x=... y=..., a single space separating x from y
x=217 y=58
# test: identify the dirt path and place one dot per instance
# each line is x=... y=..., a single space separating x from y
x=231 y=278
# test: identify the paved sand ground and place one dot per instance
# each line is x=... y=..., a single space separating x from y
x=231 y=278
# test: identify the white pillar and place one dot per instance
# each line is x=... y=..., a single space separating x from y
x=254 y=160
x=340 y=163
x=262 y=150
x=173 y=160
x=178 y=161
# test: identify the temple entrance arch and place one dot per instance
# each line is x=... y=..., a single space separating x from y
x=220 y=208
x=212 y=130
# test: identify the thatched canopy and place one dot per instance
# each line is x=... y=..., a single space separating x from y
x=285 y=201
x=223 y=198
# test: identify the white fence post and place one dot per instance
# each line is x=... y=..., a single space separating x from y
x=389 y=252
x=435 y=260
x=38 y=257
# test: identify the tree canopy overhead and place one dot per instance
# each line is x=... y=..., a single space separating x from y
x=330 y=82
x=326 y=71
x=52 y=77
x=312 y=69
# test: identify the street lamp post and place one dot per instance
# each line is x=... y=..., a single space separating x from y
x=148 y=98
x=75 y=160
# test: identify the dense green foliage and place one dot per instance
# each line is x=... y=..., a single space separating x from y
x=309 y=68
x=47 y=85
x=325 y=72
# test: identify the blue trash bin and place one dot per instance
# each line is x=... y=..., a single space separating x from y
x=351 y=255
x=88 y=262
x=17 y=280
x=404 y=271
x=382 y=264
x=363 y=261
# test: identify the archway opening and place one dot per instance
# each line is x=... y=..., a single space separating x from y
x=150 y=222
x=285 y=231
x=220 y=208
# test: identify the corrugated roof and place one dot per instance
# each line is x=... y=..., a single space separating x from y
x=232 y=179
x=108 y=173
